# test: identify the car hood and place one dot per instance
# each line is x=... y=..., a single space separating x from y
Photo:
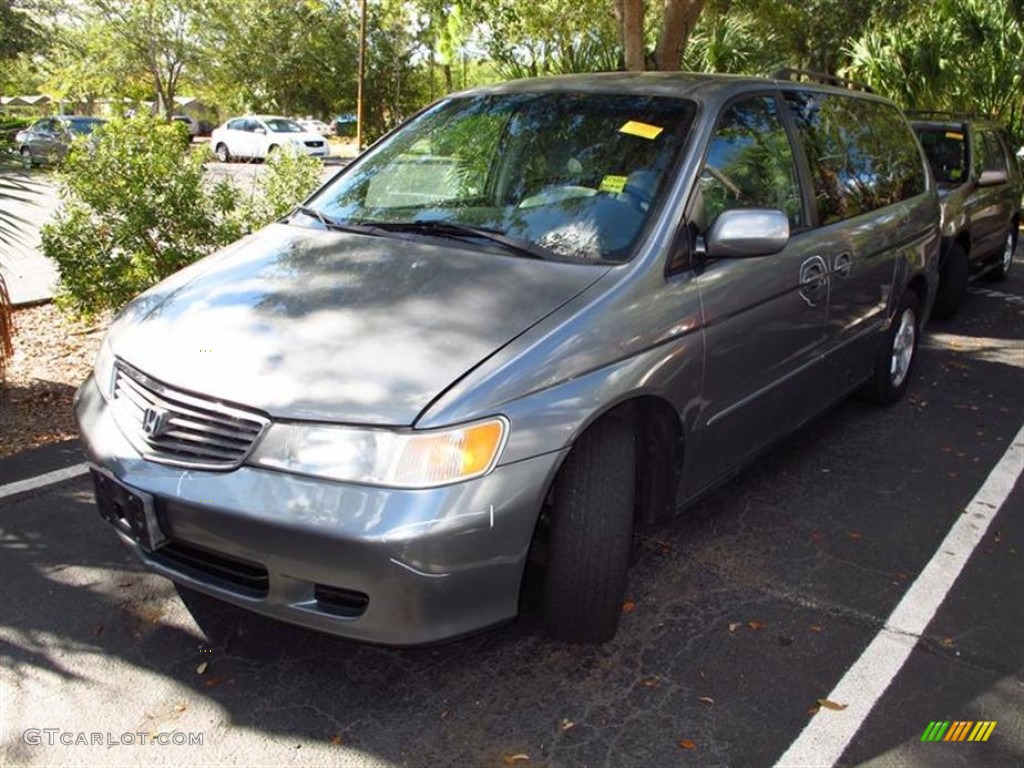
x=327 y=326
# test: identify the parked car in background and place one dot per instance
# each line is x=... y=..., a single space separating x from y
x=190 y=124
x=317 y=126
x=49 y=139
x=257 y=136
x=980 y=190
x=534 y=317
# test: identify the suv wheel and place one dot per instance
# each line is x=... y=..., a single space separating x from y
x=895 y=359
x=952 y=283
x=591 y=534
x=1000 y=272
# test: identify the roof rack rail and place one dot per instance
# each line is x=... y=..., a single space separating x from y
x=937 y=113
x=788 y=73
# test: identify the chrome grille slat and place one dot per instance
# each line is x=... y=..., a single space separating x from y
x=190 y=432
x=183 y=408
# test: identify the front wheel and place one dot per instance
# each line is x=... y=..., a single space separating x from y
x=591 y=534
x=1002 y=271
x=26 y=157
x=222 y=153
x=895 y=360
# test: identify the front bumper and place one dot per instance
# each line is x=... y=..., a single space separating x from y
x=399 y=567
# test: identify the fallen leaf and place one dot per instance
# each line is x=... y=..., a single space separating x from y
x=180 y=707
x=445 y=713
x=513 y=759
x=813 y=709
x=628 y=607
x=567 y=724
x=828 y=704
x=650 y=682
x=337 y=740
x=97 y=630
x=953 y=474
x=816 y=628
x=687 y=744
x=212 y=682
x=706 y=700
x=854 y=535
x=755 y=624
x=201 y=669
x=733 y=626
x=947 y=642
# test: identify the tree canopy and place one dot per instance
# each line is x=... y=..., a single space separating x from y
x=299 y=56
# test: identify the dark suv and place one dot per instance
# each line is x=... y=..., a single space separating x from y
x=980 y=192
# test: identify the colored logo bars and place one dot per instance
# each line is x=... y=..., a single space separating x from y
x=958 y=730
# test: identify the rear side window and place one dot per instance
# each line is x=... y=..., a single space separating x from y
x=988 y=153
x=750 y=163
x=863 y=155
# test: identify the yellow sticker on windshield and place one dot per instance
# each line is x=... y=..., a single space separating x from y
x=954 y=135
x=613 y=184
x=643 y=130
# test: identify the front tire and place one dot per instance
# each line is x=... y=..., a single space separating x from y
x=1002 y=271
x=591 y=534
x=222 y=153
x=895 y=361
x=26 y=157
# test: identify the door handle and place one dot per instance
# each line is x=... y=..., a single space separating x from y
x=843 y=264
x=813 y=280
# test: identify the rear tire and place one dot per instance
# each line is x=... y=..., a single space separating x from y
x=591 y=534
x=952 y=283
x=1002 y=271
x=895 y=361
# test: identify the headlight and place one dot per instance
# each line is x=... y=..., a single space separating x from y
x=103 y=370
x=385 y=457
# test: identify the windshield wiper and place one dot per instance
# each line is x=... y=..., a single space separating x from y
x=332 y=224
x=463 y=231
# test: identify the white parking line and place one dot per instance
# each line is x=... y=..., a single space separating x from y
x=828 y=734
x=41 y=481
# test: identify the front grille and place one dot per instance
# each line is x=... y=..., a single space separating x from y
x=314 y=144
x=228 y=572
x=171 y=427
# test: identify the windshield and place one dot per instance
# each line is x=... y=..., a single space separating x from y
x=83 y=127
x=946 y=152
x=280 y=125
x=575 y=174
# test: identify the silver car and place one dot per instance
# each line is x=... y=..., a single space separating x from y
x=535 y=317
x=49 y=139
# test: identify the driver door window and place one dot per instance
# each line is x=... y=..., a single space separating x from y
x=750 y=164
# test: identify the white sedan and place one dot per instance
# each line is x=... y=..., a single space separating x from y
x=257 y=136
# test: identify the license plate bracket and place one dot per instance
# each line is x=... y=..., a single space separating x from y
x=130 y=511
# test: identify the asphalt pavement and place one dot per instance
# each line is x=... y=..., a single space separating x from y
x=744 y=616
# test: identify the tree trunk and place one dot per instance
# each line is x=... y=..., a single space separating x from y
x=630 y=15
x=680 y=19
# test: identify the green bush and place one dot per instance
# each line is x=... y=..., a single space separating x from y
x=136 y=209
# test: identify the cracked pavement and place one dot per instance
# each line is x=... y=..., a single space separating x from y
x=745 y=611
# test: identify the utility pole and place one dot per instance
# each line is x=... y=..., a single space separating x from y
x=362 y=75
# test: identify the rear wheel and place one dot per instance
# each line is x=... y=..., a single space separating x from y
x=1000 y=273
x=591 y=534
x=222 y=153
x=952 y=283
x=895 y=360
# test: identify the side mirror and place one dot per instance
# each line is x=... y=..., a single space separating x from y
x=992 y=178
x=745 y=232
x=260 y=131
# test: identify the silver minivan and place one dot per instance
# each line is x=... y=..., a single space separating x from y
x=534 y=317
